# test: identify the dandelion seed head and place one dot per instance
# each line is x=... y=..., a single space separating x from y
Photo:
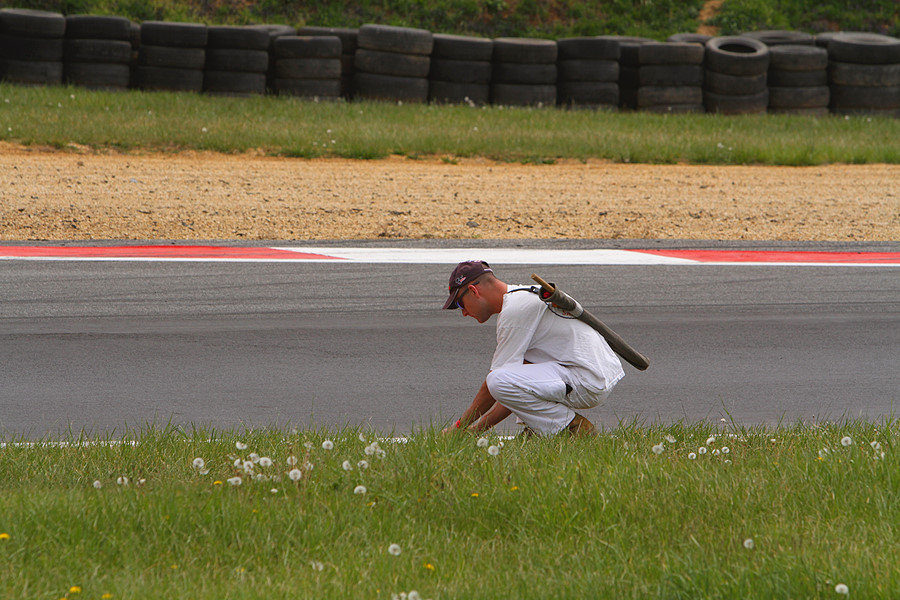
x=671 y=439
x=710 y=440
x=725 y=450
x=291 y=461
x=295 y=474
x=265 y=461
x=316 y=565
x=254 y=457
x=658 y=449
x=273 y=491
x=363 y=464
x=482 y=442
x=841 y=589
x=692 y=456
x=240 y=445
x=748 y=544
x=122 y=480
x=347 y=466
x=235 y=480
x=876 y=446
x=394 y=550
x=198 y=463
x=701 y=450
x=846 y=441
x=493 y=450
x=360 y=489
x=327 y=445
x=97 y=484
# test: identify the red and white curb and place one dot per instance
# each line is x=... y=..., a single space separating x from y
x=513 y=256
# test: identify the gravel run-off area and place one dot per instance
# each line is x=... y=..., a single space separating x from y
x=80 y=194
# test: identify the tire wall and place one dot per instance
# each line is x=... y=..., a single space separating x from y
x=757 y=72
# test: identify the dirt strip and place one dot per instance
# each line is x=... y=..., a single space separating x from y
x=53 y=195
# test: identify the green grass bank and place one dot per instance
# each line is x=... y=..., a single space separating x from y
x=641 y=511
x=519 y=18
x=71 y=117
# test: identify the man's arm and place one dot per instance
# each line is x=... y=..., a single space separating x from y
x=482 y=403
x=493 y=416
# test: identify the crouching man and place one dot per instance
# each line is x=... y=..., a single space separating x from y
x=547 y=365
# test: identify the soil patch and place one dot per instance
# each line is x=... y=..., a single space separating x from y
x=52 y=195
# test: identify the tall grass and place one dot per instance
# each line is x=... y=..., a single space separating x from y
x=677 y=511
x=66 y=117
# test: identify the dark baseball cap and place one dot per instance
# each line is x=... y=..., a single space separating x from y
x=465 y=273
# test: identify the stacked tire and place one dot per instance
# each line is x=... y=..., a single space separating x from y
x=780 y=37
x=171 y=56
x=308 y=66
x=31 y=46
x=349 y=43
x=629 y=66
x=97 y=53
x=460 y=70
x=524 y=72
x=735 y=73
x=588 y=73
x=864 y=71
x=798 y=80
x=392 y=63
x=237 y=59
x=670 y=77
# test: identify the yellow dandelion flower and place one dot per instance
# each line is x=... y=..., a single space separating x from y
x=429 y=566
x=514 y=488
x=75 y=589
x=4 y=536
x=474 y=494
x=106 y=596
x=217 y=482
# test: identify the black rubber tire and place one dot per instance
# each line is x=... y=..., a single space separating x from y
x=585 y=69
x=675 y=109
x=236 y=60
x=33 y=72
x=234 y=83
x=323 y=89
x=798 y=58
x=863 y=75
x=779 y=78
x=461 y=47
x=308 y=68
x=176 y=35
x=275 y=31
x=295 y=46
x=668 y=95
x=864 y=48
x=35 y=48
x=629 y=77
x=524 y=73
x=588 y=48
x=689 y=38
x=172 y=58
x=95 y=75
x=736 y=105
x=680 y=75
x=391 y=88
x=460 y=71
x=98 y=51
x=525 y=50
x=670 y=54
x=774 y=38
x=237 y=38
x=452 y=92
x=391 y=63
x=737 y=56
x=349 y=37
x=25 y=22
x=404 y=40
x=881 y=98
x=799 y=97
x=734 y=85
x=93 y=27
x=806 y=112
x=587 y=93
x=169 y=79
x=513 y=94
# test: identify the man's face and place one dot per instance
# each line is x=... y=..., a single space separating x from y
x=472 y=304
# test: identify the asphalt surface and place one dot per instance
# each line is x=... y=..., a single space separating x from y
x=101 y=347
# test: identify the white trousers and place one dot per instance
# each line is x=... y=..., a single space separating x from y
x=536 y=394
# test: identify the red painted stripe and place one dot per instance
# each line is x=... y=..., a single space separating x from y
x=223 y=252
x=768 y=256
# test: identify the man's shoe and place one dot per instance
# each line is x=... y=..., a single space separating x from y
x=580 y=426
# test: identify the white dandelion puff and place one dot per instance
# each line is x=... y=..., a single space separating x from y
x=482 y=442
x=291 y=461
x=265 y=461
x=493 y=450
x=360 y=489
x=692 y=456
x=308 y=445
x=362 y=438
x=710 y=440
x=122 y=480
x=749 y=544
x=715 y=451
x=254 y=457
x=394 y=549
x=235 y=481
x=671 y=439
x=295 y=474
x=198 y=463
x=876 y=446
x=273 y=491
x=701 y=450
x=725 y=450
x=363 y=465
x=98 y=485
x=658 y=449
x=316 y=565
x=240 y=445
x=327 y=445
x=842 y=589
x=846 y=441
x=347 y=466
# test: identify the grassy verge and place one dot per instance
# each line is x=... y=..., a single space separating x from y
x=638 y=512
x=64 y=117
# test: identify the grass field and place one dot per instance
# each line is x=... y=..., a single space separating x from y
x=72 y=118
x=641 y=511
